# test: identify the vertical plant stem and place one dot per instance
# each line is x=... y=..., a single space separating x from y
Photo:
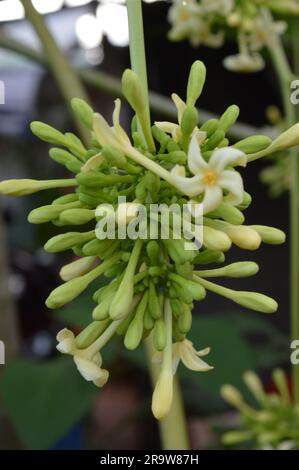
x=67 y=80
x=173 y=428
x=285 y=76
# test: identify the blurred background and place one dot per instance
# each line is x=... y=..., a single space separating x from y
x=44 y=402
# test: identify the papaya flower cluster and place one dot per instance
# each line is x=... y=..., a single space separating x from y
x=207 y=22
x=153 y=284
x=271 y=425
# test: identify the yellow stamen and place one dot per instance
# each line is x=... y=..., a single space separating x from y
x=210 y=178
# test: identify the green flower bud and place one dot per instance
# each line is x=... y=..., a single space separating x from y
x=209 y=256
x=77 y=216
x=241 y=235
x=101 y=311
x=270 y=235
x=253 y=144
x=154 y=304
x=231 y=395
x=228 y=118
x=247 y=199
x=285 y=7
x=114 y=156
x=47 y=133
x=71 y=289
x=255 y=386
x=133 y=92
x=188 y=124
x=215 y=239
x=185 y=319
x=196 y=81
x=281 y=383
x=190 y=287
x=22 y=187
x=239 y=269
x=65 y=158
x=236 y=437
x=184 y=270
x=286 y=140
x=160 y=136
x=122 y=302
x=214 y=140
x=74 y=144
x=94 y=178
x=228 y=213
x=210 y=126
x=176 y=250
x=97 y=247
x=173 y=146
x=90 y=334
x=153 y=252
x=65 y=241
x=252 y=300
x=135 y=330
x=83 y=111
x=151 y=182
x=159 y=335
x=77 y=268
x=148 y=320
x=67 y=198
x=44 y=214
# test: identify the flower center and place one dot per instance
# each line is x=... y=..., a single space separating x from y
x=210 y=178
x=184 y=15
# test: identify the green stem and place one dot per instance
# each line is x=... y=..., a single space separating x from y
x=173 y=428
x=64 y=75
x=159 y=104
x=285 y=76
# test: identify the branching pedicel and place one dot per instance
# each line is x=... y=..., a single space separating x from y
x=153 y=283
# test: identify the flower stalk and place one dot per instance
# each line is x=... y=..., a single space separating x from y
x=173 y=428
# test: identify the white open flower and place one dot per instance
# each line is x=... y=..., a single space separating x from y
x=185 y=352
x=244 y=62
x=265 y=34
x=88 y=360
x=211 y=178
x=223 y=7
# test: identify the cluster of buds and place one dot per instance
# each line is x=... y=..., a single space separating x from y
x=153 y=282
x=205 y=22
x=274 y=425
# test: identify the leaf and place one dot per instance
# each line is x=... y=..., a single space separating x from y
x=45 y=400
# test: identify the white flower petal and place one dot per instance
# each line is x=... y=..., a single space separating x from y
x=166 y=126
x=203 y=352
x=88 y=369
x=67 y=346
x=180 y=106
x=101 y=381
x=227 y=156
x=196 y=163
x=244 y=63
x=189 y=186
x=64 y=334
x=212 y=198
x=121 y=134
x=232 y=181
x=191 y=360
x=103 y=132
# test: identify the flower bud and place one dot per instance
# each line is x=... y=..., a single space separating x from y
x=47 y=133
x=89 y=335
x=133 y=92
x=66 y=292
x=244 y=237
x=281 y=383
x=231 y=395
x=77 y=216
x=63 y=157
x=237 y=270
x=214 y=140
x=77 y=268
x=135 y=330
x=215 y=239
x=255 y=301
x=162 y=396
x=188 y=124
x=159 y=334
x=229 y=118
x=75 y=145
x=196 y=81
x=209 y=256
x=65 y=241
x=255 y=386
x=44 y=214
x=185 y=319
x=247 y=199
x=154 y=304
x=210 y=127
x=236 y=437
x=83 y=111
x=253 y=144
x=270 y=235
x=22 y=187
x=66 y=199
x=153 y=252
x=228 y=213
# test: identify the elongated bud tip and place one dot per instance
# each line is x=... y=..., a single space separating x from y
x=47 y=133
x=231 y=395
x=196 y=81
x=83 y=111
x=162 y=396
x=132 y=90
